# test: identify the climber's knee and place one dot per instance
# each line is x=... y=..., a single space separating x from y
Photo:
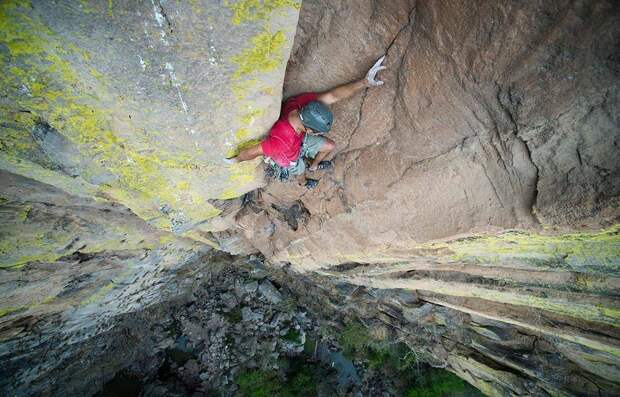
x=328 y=145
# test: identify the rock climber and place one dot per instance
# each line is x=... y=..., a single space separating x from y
x=298 y=133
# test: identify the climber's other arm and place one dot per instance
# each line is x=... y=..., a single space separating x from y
x=247 y=154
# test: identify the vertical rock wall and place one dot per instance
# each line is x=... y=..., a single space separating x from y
x=82 y=264
x=503 y=348
x=493 y=117
x=115 y=117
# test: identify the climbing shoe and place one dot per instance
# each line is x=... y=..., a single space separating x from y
x=311 y=183
x=324 y=165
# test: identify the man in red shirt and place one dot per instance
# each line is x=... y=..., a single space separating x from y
x=297 y=133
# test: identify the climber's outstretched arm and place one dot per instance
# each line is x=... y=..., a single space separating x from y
x=346 y=90
x=342 y=92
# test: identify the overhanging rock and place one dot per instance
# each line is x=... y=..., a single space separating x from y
x=139 y=102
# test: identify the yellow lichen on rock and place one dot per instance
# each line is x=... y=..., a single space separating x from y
x=241 y=174
x=55 y=96
x=597 y=251
x=265 y=55
x=71 y=124
x=253 y=10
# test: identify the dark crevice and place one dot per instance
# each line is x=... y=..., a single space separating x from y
x=166 y=18
x=348 y=266
x=294 y=215
x=359 y=120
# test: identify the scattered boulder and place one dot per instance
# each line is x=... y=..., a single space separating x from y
x=270 y=292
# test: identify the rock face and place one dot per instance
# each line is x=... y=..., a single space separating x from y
x=492 y=117
x=138 y=103
x=199 y=339
x=114 y=121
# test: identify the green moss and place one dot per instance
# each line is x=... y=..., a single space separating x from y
x=355 y=340
x=258 y=384
x=234 y=316
x=292 y=336
x=253 y=10
x=392 y=357
x=300 y=381
x=397 y=361
x=264 y=56
x=438 y=383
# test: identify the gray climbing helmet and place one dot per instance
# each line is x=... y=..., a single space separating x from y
x=317 y=117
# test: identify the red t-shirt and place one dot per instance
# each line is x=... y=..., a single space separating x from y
x=283 y=143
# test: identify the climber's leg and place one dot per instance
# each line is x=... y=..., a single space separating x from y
x=317 y=148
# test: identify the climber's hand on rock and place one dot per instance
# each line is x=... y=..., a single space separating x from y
x=372 y=73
